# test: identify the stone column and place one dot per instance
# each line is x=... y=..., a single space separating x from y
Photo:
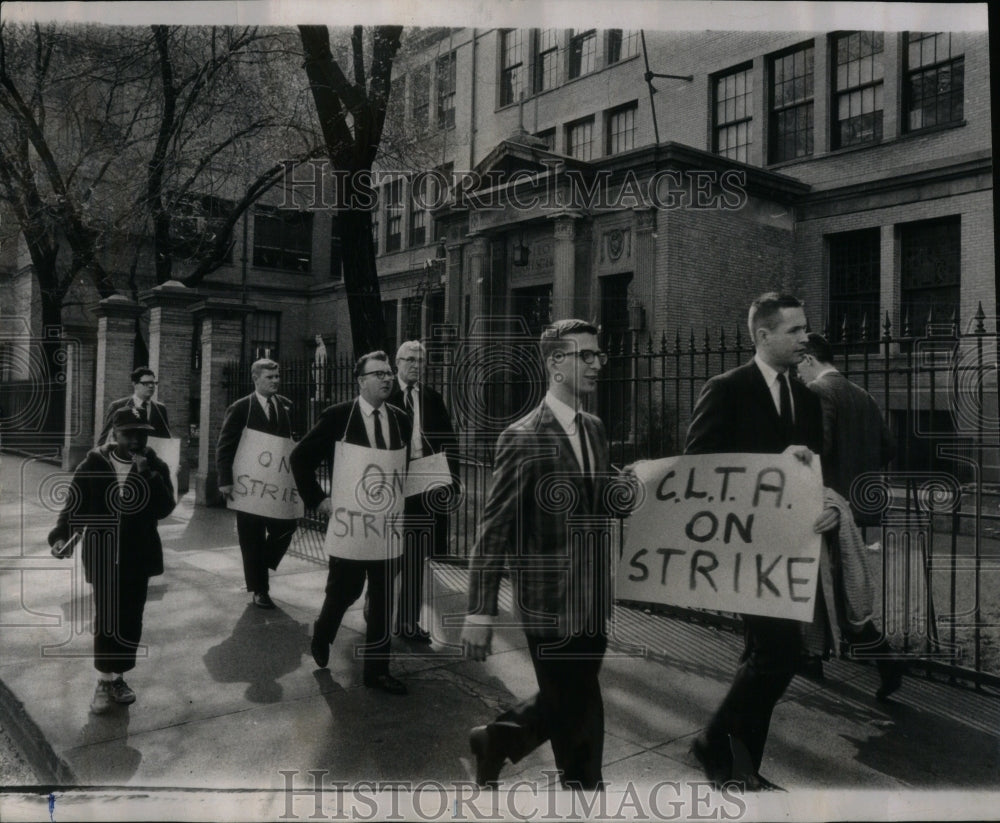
x=564 y=262
x=80 y=343
x=221 y=344
x=115 y=347
x=171 y=326
x=479 y=265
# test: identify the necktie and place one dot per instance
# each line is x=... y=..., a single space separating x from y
x=379 y=437
x=409 y=401
x=272 y=414
x=785 y=403
x=145 y=410
x=588 y=475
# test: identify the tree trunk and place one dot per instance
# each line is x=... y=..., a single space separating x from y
x=364 y=301
x=53 y=390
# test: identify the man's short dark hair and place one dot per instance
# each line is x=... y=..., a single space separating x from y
x=552 y=337
x=262 y=365
x=765 y=310
x=359 y=367
x=819 y=347
x=141 y=372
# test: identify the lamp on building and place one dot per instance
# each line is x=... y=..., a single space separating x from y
x=520 y=253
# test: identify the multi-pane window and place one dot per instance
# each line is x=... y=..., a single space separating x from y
x=446 y=69
x=622 y=43
x=549 y=136
x=582 y=52
x=420 y=97
x=195 y=220
x=858 y=72
x=580 y=139
x=511 y=66
x=282 y=239
x=442 y=185
x=621 y=128
x=546 y=59
x=394 y=215
x=262 y=335
x=930 y=269
x=855 y=272
x=733 y=114
x=419 y=199
x=791 y=132
x=935 y=79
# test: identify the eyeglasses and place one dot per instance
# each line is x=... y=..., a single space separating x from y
x=380 y=375
x=586 y=355
x=409 y=359
x=149 y=382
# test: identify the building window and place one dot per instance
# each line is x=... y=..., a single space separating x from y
x=389 y=316
x=546 y=59
x=336 y=252
x=394 y=215
x=582 y=52
x=930 y=271
x=446 y=69
x=858 y=73
x=282 y=239
x=419 y=199
x=935 y=79
x=195 y=222
x=262 y=335
x=411 y=308
x=622 y=43
x=855 y=277
x=420 y=97
x=442 y=191
x=791 y=132
x=580 y=139
x=511 y=66
x=733 y=101
x=375 y=231
x=621 y=128
x=617 y=388
x=549 y=136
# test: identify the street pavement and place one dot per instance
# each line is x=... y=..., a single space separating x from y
x=232 y=712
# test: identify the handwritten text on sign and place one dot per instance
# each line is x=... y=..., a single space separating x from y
x=366 y=494
x=262 y=477
x=729 y=532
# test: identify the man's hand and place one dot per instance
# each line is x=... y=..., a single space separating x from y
x=140 y=462
x=801 y=453
x=828 y=520
x=477 y=640
x=59 y=550
x=325 y=506
x=226 y=491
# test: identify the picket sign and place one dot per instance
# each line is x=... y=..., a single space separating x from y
x=728 y=532
x=262 y=477
x=366 y=496
x=426 y=473
x=168 y=449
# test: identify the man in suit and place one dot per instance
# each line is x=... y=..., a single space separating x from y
x=757 y=408
x=150 y=411
x=119 y=492
x=432 y=433
x=263 y=540
x=546 y=518
x=371 y=422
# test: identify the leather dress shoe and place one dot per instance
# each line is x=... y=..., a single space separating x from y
x=891 y=676
x=417 y=635
x=716 y=767
x=320 y=649
x=387 y=683
x=744 y=774
x=488 y=760
x=263 y=600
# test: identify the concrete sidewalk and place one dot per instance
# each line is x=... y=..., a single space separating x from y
x=231 y=710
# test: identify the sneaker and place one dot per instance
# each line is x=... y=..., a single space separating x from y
x=120 y=691
x=102 y=697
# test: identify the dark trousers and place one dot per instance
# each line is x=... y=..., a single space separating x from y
x=425 y=532
x=568 y=709
x=119 y=601
x=263 y=542
x=344 y=583
x=768 y=664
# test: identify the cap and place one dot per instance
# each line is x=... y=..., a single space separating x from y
x=129 y=419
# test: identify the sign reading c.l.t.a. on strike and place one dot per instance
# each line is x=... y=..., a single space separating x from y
x=728 y=532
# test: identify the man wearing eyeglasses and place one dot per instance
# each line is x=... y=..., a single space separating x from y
x=370 y=422
x=546 y=518
x=155 y=414
x=432 y=434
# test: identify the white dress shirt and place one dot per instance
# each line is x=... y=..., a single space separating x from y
x=773 y=386
x=367 y=414
x=566 y=416
x=417 y=440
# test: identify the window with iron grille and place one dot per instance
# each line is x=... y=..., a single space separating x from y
x=791 y=105
x=622 y=43
x=282 y=239
x=511 y=66
x=934 y=90
x=621 y=128
x=582 y=52
x=411 y=317
x=446 y=68
x=549 y=136
x=394 y=215
x=546 y=60
x=858 y=73
x=441 y=194
x=419 y=198
x=580 y=139
x=420 y=97
x=733 y=113
x=855 y=283
x=389 y=314
x=262 y=335
x=930 y=271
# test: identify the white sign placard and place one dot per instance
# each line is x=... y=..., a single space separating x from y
x=262 y=477
x=367 y=493
x=426 y=473
x=729 y=532
x=168 y=449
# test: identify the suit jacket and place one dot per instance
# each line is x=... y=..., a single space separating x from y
x=538 y=491
x=434 y=418
x=157 y=417
x=246 y=413
x=95 y=500
x=344 y=421
x=855 y=437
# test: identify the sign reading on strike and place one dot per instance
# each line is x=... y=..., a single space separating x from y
x=728 y=532
x=168 y=449
x=426 y=473
x=262 y=477
x=366 y=494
